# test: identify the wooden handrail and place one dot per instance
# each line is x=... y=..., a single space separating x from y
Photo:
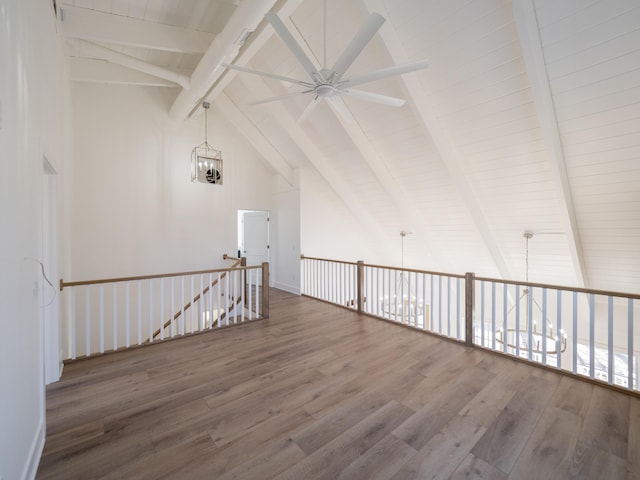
x=561 y=287
x=64 y=284
x=411 y=270
x=302 y=257
x=238 y=262
x=489 y=279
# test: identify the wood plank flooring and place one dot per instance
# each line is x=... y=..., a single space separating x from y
x=318 y=392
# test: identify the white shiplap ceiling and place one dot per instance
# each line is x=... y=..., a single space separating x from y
x=528 y=117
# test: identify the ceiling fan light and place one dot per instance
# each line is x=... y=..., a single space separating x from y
x=325 y=90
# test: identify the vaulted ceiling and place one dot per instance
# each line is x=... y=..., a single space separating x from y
x=527 y=118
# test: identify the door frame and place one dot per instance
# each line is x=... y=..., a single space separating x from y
x=51 y=356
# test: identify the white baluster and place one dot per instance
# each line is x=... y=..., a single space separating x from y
x=218 y=287
x=611 y=365
x=259 y=272
x=192 y=309
x=87 y=321
x=172 y=322
x=630 y=356
x=560 y=339
x=574 y=362
x=72 y=342
x=101 y=318
x=592 y=327
x=139 y=285
x=226 y=297
x=243 y=282
x=115 y=316
x=162 y=309
x=183 y=321
x=151 y=310
x=211 y=287
x=127 y=316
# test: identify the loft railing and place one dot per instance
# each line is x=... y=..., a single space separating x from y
x=111 y=314
x=588 y=333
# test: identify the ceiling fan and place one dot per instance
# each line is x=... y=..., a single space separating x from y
x=329 y=83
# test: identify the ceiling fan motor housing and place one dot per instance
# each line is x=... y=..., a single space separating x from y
x=325 y=90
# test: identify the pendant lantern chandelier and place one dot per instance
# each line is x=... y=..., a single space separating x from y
x=206 y=161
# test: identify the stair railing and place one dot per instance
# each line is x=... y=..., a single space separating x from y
x=115 y=313
x=212 y=321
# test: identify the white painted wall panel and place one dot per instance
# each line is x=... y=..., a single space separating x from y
x=135 y=210
x=34 y=96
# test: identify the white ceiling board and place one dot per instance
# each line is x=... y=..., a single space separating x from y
x=113 y=29
x=138 y=8
x=622 y=83
x=331 y=167
x=592 y=57
x=580 y=21
x=469 y=158
x=92 y=50
x=255 y=137
x=120 y=7
x=619 y=23
x=101 y=71
x=624 y=44
x=480 y=243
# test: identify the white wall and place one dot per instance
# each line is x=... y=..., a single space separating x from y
x=330 y=230
x=285 y=233
x=32 y=97
x=134 y=208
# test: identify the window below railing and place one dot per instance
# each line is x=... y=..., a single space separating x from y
x=586 y=332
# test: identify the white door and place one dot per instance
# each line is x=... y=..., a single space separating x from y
x=255 y=237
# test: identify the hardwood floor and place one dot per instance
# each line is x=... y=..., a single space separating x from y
x=318 y=392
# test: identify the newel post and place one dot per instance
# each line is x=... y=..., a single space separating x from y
x=243 y=263
x=265 y=289
x=469 y=306
x=360 y=285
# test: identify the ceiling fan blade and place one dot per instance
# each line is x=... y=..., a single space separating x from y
x=291 y=43
x=315 y=101
x=362 y=38
x=338 y=106
x=372 y=97
x=384 y=73
x=279 y=97
x=267 y=74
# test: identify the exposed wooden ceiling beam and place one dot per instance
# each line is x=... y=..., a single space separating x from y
x=440 y=139
x=245 y=56
x=118 y=30
x=101 y=71
x=92 y=50
x=529 y=34
x=244 y=125
x=223 y=48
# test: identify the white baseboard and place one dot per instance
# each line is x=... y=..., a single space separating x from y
x=35 y=454
x=287 y=288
